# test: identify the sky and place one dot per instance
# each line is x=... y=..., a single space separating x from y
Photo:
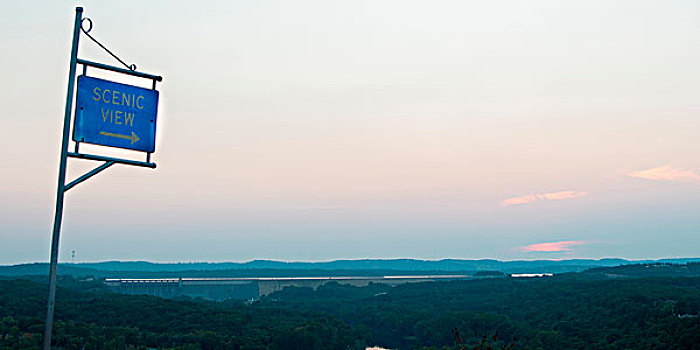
x=315 y=130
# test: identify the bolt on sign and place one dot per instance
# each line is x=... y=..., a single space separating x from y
x=115 y=115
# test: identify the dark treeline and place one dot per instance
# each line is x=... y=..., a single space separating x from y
x=111 y=321
x=572 y=311
x=569 y=312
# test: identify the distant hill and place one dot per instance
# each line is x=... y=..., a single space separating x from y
x=43 y=269
x=367 y=264
x=137 y=269
x=658 y=269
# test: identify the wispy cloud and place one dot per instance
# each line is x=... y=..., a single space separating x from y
x=666 y=173
x=561 y=246
x=550 y=196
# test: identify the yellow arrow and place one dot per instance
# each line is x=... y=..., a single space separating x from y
x=133 y=136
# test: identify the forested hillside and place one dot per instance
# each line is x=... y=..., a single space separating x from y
x=112 y=321
x=571 y=311
x=542 y=313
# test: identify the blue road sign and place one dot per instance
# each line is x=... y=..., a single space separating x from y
x=115 y=115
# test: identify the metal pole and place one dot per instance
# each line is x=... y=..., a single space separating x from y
x=61 y=181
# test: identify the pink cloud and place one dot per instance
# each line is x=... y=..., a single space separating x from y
x=665 y=173
x=551 y=196
x=561 y=246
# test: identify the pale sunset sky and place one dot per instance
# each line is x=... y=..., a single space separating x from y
x=319 y=129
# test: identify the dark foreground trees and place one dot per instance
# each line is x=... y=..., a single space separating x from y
x=112 y=321
x=567 y=312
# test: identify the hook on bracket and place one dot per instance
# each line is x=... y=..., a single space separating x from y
x=83 y=25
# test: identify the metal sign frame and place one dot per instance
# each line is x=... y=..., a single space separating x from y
x=63 y=187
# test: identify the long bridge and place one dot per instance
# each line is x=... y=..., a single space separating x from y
x=251 y=287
